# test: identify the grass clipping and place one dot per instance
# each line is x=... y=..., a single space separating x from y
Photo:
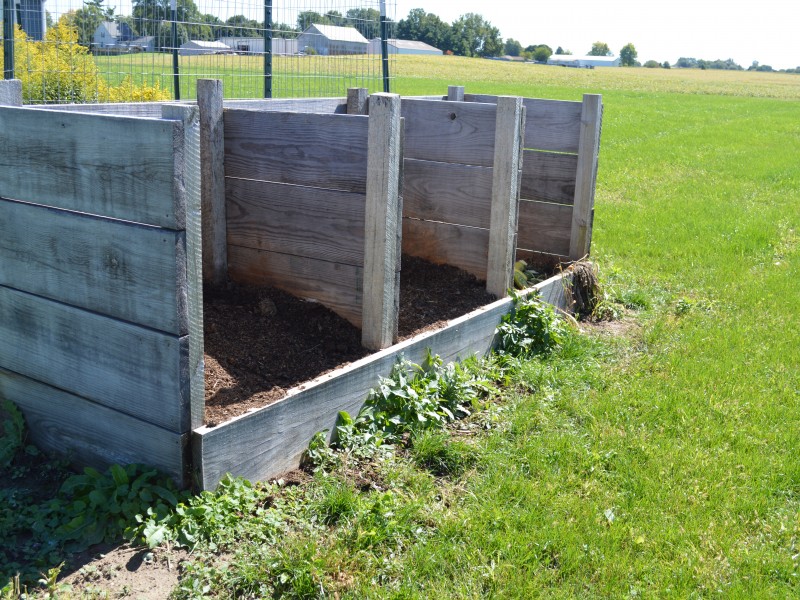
x=585 y=292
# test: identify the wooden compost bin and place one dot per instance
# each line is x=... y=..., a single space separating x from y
x=101 y=338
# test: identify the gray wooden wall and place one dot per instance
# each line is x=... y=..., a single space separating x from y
x=100 y=302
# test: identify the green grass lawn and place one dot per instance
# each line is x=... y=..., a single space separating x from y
x=656 y=457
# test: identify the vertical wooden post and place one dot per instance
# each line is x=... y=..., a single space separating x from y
x=10 y=92
x=509 y=125
x=455 y=93
x=212 y=167
x=357 y=101
x=382 y=223
x=588 y=148
x=187 y=191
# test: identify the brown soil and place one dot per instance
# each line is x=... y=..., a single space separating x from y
x=260 y=342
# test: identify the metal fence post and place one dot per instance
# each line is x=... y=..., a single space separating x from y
x=8 y=39
x=267 y=48
x=384 y=47
x=176 y=79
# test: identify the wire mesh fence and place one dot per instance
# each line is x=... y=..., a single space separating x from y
x=73 y=51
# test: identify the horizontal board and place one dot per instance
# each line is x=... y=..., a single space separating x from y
x=89 y=434
x=120 y=269
x=311 y=222
x=304 y=105
x=119 y=167
x=336 y=286
x=549 y=177
x=268 y=442
x=137 y=371
x=552 y=125
x=454 y=132
x=443 y=243
x=318 y=150
x=544 y=227
x=129 y=109
x=451 y=193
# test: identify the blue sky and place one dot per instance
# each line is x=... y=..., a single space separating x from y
x=767 y=31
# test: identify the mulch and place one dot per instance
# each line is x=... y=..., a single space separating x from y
x=260 y=341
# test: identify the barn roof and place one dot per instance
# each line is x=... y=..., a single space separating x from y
x=339 y=34
x=412 y=45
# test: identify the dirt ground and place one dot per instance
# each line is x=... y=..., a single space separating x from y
x=260 y=342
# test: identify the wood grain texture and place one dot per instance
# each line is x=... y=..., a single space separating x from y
x=336 y=286
x=270 y=441
x=212 y=162
x=187 y=185
x=120 y=269
x=119 y=167
x=138 y=371
x=10 y=92
x=451 y=132
x=544 y=227
x=505 y=195
x=89 y=434
x=552 y=125
x=446 y=244
x=302 y=105
x=589 y=147
x=319 y=150
x=150 y=110
x=303 y=221
x=357 y=101
x=455 y=93
x=436 y=191
x=381 y=292
x=549 y=177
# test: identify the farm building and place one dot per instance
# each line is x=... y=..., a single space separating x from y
x=118 y=38
x=585 y=62
x=404 y=47
x=330 y=40
x=197 y=47
x=255 y=45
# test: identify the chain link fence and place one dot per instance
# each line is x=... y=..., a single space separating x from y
x=74 y=51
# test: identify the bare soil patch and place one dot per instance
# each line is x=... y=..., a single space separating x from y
x=260 y=341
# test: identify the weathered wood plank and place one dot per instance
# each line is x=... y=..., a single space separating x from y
x=10 y=92
x=549 y=177
x=150 y=110
x=544 y=227
x=447 y=192
x=212 y=163
x=382 y=223
x=270 y=441
x=336 y=286
x=452 y=132
x=455 y=93
x=357 y=101
x=589 y=147
x=505 y=195
x=319 y=150
x=311 y=222
x=138 y=371
x=446 y=244
x=552 y=125
x=90 y=434
x=124 y=270
x=301 y=105
x=119 y=167
x=188 y=189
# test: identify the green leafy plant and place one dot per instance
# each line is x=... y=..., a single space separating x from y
x=438 y=453
x=13 y=432
x=523 y=276
x=531 y=328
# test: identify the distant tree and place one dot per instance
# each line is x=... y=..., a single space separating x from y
x=652 y=64
x=628 y=55
x=686 y=63
x=600 y=49
x=559 y=50
x=513 y=47
x=366 y=20
x=666 y=65
x=472 y=35
x=425 y=27
x=241 y=26
x=542 y=54
x=282 y=30
x=307 y=18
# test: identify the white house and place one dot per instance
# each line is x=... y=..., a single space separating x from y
x=255 y=45
x=330 y=39
x=197 y=47
x=118 y=38
x=585 y=62
x=403 y=47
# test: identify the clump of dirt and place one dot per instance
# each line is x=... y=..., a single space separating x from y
x=260 y=341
